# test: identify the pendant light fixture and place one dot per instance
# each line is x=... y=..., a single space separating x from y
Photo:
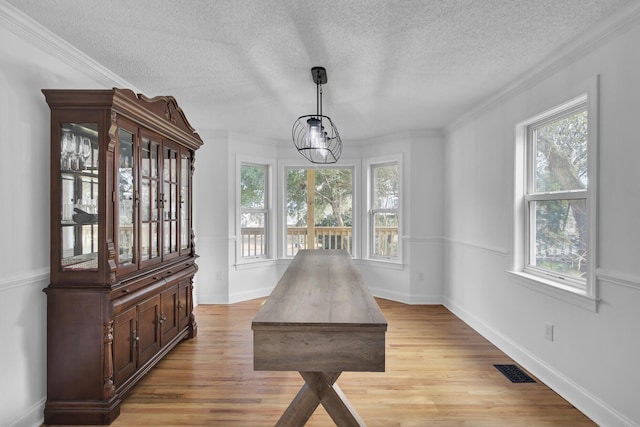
x=315 y=136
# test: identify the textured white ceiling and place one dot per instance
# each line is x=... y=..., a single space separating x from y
x=392 y=65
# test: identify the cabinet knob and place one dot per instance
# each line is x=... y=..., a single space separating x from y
x=180 y=305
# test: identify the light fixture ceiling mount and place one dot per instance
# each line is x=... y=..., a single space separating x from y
x=315 y=135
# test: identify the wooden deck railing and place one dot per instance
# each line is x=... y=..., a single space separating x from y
x=254 y=242
x=326 y=238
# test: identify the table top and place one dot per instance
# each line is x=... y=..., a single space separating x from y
x=321 y=288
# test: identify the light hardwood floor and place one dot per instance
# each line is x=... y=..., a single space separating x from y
x=439 y=372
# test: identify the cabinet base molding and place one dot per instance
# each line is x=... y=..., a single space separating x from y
x=79 y=413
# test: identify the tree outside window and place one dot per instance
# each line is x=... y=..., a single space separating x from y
x=253 y=210
x=557 y=195
x=384 y=220
x=321 y=218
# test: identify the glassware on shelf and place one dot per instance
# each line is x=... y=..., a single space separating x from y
x=68 y=144
x=85 y=151
x=79 y=187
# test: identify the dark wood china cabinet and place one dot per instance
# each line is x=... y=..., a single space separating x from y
x=122 y=251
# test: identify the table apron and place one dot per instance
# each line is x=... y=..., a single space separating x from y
x=319 y=351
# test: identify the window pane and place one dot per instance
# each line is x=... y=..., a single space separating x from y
x=385 y=234
x=324 y=218
x=385 y=187
x=561 y=236
x=254 y=241
x=253 y=184
x=561 y=154
x=126 y=238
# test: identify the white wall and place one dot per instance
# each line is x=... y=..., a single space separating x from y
x=24 y=185
x=210 y=216
x=594 y=357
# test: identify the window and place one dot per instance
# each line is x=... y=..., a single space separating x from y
x=321 y=218
x=384 y=218
x=254 y=211
x=554 y=239
x=556 y=196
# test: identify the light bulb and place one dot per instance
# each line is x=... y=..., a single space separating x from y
x=314 y=132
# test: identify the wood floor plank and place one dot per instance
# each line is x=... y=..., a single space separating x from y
x=439 y=372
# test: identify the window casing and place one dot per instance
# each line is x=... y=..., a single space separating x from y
x=555 y=199
x=254 y=211
x=384 y=241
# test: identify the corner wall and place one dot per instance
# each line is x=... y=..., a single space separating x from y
x=593 y=358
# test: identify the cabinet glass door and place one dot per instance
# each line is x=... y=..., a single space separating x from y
x=126 y=193
x=185 y=220
x=170 y=200
x=79 y=196
x=149 y=200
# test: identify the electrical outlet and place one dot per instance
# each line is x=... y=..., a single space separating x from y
x=548 y=331
x=420 y=276
x=219 y=275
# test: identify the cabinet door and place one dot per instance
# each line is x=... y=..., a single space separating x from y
x=170 y=201
x=168 y=314
x=184 y=303
x=124 y=346
x=126 y=197
x=185 y=202
x=148 y=329
x=78 y=185
x=150 y=186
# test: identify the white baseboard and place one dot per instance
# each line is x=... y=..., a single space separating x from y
x=391 y=295
x=407 y=298
x=249 y=295
x=584 y=401
x=34 y=417
x=426 y=300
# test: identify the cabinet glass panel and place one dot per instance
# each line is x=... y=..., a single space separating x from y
x=126 y=236
x=170 y=199
x=185 y=230
x=149 y=206
x=79 y=196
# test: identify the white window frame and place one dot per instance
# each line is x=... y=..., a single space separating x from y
x=269 y=217
x=370 y=164
x=577 y=292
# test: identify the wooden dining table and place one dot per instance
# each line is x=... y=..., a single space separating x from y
x=320 y=320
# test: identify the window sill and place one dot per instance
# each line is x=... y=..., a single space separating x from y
x=383 y=263
x=556 y=290
x=257 y=262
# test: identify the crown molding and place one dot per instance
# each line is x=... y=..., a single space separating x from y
x=598 y=35
x=31 y=31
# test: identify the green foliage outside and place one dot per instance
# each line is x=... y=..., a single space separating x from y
x=333 y=197
x=561 y=166
x=253 y=186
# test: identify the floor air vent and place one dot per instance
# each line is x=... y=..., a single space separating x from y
x=514 y=374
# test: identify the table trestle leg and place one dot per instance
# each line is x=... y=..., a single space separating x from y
x=320 y=388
